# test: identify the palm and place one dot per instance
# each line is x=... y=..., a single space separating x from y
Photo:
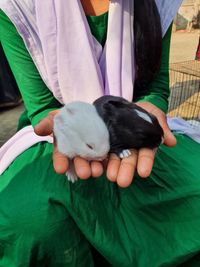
x=119 y=171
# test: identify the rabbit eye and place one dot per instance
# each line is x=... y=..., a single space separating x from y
x=90 y=147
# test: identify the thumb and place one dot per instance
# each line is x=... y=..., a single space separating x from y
x=169 y=138
x=45 y=126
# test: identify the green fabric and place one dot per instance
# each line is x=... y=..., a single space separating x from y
x=47 y=221
x=35 y=227
x=98 y=26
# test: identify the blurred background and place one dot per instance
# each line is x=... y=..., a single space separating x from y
x=184 y=74
x=185 y=63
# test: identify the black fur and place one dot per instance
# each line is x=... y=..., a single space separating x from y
x=127 y=130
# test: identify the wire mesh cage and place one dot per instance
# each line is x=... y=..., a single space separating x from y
x=184 y=100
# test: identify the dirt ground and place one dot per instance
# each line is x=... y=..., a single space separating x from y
x=183 y=48
x=183 y=45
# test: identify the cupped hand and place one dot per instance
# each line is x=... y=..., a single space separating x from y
x=122 y=171
x=119 y=171
x=83 y=168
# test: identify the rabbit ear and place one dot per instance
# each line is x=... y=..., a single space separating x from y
x=144 y=116
x=70 y=110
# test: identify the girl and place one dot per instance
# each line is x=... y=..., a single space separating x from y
x=54 y=47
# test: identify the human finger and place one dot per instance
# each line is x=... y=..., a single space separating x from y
x=145 y=161
x=169 y=138
x=82 y=168
x=96 y=168
x=45 y=126
x=113 y=165
x=60 y=161
x=127 y=169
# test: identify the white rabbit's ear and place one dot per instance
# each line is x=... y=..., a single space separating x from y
x=70 y=110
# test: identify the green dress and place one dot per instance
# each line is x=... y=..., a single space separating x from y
x=47 y=221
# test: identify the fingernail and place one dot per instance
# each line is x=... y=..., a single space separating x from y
x=144 y=172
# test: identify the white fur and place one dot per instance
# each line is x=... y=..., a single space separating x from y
x=144 y=116
x=78 y=125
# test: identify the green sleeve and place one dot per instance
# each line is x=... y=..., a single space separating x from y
x=158 y=91
x=37 y=98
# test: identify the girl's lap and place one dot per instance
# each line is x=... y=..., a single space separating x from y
x=35 y=226
x=160 y=213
